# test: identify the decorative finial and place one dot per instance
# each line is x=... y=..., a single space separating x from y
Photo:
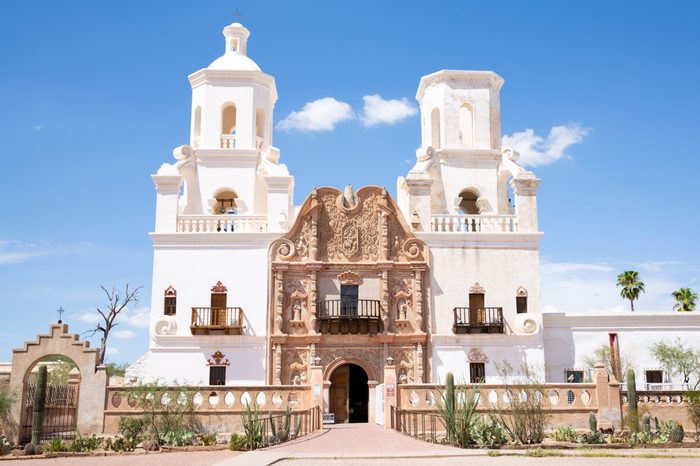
x=237 y=14
x=60 y=311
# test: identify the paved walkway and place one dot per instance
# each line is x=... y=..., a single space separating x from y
x=367 y=444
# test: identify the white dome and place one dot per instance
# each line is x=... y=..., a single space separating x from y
x=234 y=61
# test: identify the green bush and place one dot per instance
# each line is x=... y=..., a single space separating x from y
x=593 y=438
x=565 y=434
x=489 y=432
x=132 y=428
x=178 y=437
x=83 y=444
x=56 y=445
x=239 y=442
x=120 y=444
x=207 y=439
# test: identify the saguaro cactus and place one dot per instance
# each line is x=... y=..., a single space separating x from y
x=450 y=412
x=39 y=403
x=632 y=399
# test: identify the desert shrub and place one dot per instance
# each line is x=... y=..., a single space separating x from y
x=120 y=444
x=238 y=442
x=207 y=439
x=132 y=428
x=595 y=437
x=82 y=444
x=458 y=412
x=168 y=412
x=7 y=400
x=253 y=426
x=489 y=432
x=565 y=434
x=178 y=437
x=56 y=445
x=693 y=398
x=523 y=417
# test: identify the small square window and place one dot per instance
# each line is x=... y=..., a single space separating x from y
x=477 y=372
x=654 y=376
x=217 y=375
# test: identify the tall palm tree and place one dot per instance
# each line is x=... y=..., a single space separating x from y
x=631 y=286
x=685 y=300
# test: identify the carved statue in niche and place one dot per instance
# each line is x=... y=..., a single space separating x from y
x=402 y=309
x=405 y=364
x=402 y=299
x=297 y=302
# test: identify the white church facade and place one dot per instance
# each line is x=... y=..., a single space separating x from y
x=250 y=288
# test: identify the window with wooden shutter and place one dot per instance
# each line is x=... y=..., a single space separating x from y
x=477 y=372
x=521 y=304
x=217 y=375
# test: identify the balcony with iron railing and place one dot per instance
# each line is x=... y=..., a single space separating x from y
x=354 y=316
x=217 y=321
x=478 y=320
x=473 y=224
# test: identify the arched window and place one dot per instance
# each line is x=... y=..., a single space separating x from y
x=170 y=304
x=228 y=127
x=467 y=204
x=521 y=301
x=435 y=128
x=197 y=126
x=259 y=127
x=226 y=202
x=466 y=126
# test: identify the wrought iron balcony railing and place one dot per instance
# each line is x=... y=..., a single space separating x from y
x=349 y=316
x=478 y=320
x=217 y=320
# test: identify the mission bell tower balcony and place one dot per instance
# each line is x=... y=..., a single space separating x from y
x=353 y=316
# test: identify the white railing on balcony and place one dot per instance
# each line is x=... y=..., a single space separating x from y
x=474 y=223
x=221 y=223
x=666 y=387
x=228 y=141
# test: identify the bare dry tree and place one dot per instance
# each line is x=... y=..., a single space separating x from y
x=116 y=303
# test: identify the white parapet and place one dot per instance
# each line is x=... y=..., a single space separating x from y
x=474 y=223
x=221 y=223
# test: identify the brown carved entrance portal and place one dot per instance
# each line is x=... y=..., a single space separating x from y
x=349 y=394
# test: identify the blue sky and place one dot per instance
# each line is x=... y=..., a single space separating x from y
x=94 y=97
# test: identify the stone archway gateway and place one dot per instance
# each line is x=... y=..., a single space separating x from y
x=349 y=394
x=93 y=377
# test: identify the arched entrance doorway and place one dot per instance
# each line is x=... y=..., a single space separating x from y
x=349 y=394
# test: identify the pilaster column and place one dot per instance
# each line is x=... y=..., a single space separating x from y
x=419 y=202
x=419 y=363
x=390 y=393
x=167 y=182
x=418 y=297
x=384 y=290
x=525 y=190
x=278 y=365
x=313 y=234
x=279 y=301
x=311 y=293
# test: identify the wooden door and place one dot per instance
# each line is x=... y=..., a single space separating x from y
x=476 y=308
x=339 y=394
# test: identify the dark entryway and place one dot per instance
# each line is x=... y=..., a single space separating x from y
x=349 y=394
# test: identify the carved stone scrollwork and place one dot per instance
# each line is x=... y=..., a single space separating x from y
x=477 y=289
x=413 y=249
x=477 y=355
x=165 y=325
x=521 y=293
x=349 y=278
x=404 y=361
x=295 y=366
x=285 y=250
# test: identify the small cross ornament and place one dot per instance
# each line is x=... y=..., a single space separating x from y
x=237 y=14
x=60 y=311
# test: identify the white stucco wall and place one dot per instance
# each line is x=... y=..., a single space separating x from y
x=569 y=338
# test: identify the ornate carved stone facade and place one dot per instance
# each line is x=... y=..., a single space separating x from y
x=345 y=239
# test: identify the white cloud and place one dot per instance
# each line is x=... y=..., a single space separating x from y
x=138 y=317
x=536 y=150
x=379 y=111
x=319 y=115
x=16 y=252
x=111 y=350
x=591 y=287
x=123 y=334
